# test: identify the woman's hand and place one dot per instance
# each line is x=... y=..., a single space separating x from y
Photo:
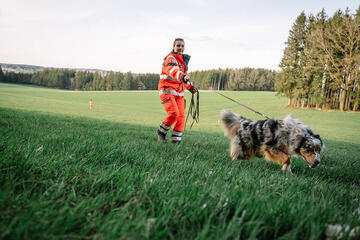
x=193 y=89
x=187 y=78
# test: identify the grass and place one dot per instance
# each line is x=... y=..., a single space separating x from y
x=68 y=172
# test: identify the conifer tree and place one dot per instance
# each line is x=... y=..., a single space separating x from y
x=126 y=82
x=118 y=78
x=80 y=80
x=2 y=76
x=292 y=62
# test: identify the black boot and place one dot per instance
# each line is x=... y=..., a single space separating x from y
x=162 y=131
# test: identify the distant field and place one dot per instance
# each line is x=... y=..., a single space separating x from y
x=68 y=172
x=144 y=108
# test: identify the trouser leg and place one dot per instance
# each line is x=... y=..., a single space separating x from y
x=162 y=131
x=172 y=111
x=180 y=121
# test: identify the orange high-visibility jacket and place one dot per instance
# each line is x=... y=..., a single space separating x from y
x=172 y=74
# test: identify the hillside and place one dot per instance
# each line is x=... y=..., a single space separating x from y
x=24 y=68
x=71 y=172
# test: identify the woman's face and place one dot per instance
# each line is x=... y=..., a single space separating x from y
x=179 y=47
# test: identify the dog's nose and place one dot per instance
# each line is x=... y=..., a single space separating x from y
x=316 y=162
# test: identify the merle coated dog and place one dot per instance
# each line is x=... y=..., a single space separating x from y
x=272 y=139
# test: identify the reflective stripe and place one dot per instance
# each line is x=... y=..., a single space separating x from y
x=171 y=57
x=164 y=126
x=177 y=75
x=167 y=77
x=173 y=69
x=178 y=134
x=177 y=139
x=162 y=130
x=172 y=92
x=164 y=76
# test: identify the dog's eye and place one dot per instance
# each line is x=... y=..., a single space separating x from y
x=309 y=150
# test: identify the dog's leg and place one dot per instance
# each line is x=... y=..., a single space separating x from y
x=239 y=151
x=279 y=157
x=286 y=168
x=236 y=151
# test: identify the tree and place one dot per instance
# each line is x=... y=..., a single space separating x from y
x=323 y=68
x=118 y=79
x=126 y=82
x=2 y=76
x=97 y=82
x=110 y=81
x=292 y=62
x=80 y=80
x=315 y=72
x=340 y=43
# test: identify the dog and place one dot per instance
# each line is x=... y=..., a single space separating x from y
x=272 y=139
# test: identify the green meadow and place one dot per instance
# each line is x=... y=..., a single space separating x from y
x=71 y=172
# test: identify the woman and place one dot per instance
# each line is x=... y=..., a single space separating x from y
x=173 y=80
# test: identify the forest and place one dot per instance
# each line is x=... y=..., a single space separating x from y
x=253 y=79
x=320 y=67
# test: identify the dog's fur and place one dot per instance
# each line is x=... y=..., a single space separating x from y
x=272 y=139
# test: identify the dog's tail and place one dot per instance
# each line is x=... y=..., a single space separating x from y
x=231 y=122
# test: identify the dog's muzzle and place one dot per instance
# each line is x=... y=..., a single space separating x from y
x=316 y=162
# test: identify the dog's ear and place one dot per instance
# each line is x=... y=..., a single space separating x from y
x=321 y=142
x=298 y=137
x=271 y=122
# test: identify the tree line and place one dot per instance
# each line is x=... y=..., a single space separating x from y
x=84 y=80
x=251 y=79
x=320 y=66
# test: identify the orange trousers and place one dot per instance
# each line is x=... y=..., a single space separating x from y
x=175 y=108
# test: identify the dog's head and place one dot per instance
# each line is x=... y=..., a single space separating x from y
x=310 y=147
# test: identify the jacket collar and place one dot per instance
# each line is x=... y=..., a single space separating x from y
x=172 y=52
x=184 y=58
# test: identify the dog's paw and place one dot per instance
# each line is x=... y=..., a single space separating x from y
x=286 y=169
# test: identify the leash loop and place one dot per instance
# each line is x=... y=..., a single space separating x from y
x=194 y=109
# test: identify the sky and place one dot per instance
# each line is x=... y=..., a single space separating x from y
x=135 y=35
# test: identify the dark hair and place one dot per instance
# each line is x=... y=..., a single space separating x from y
x=178 y=39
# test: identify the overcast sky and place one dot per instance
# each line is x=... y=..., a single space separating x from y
x=134 y=35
